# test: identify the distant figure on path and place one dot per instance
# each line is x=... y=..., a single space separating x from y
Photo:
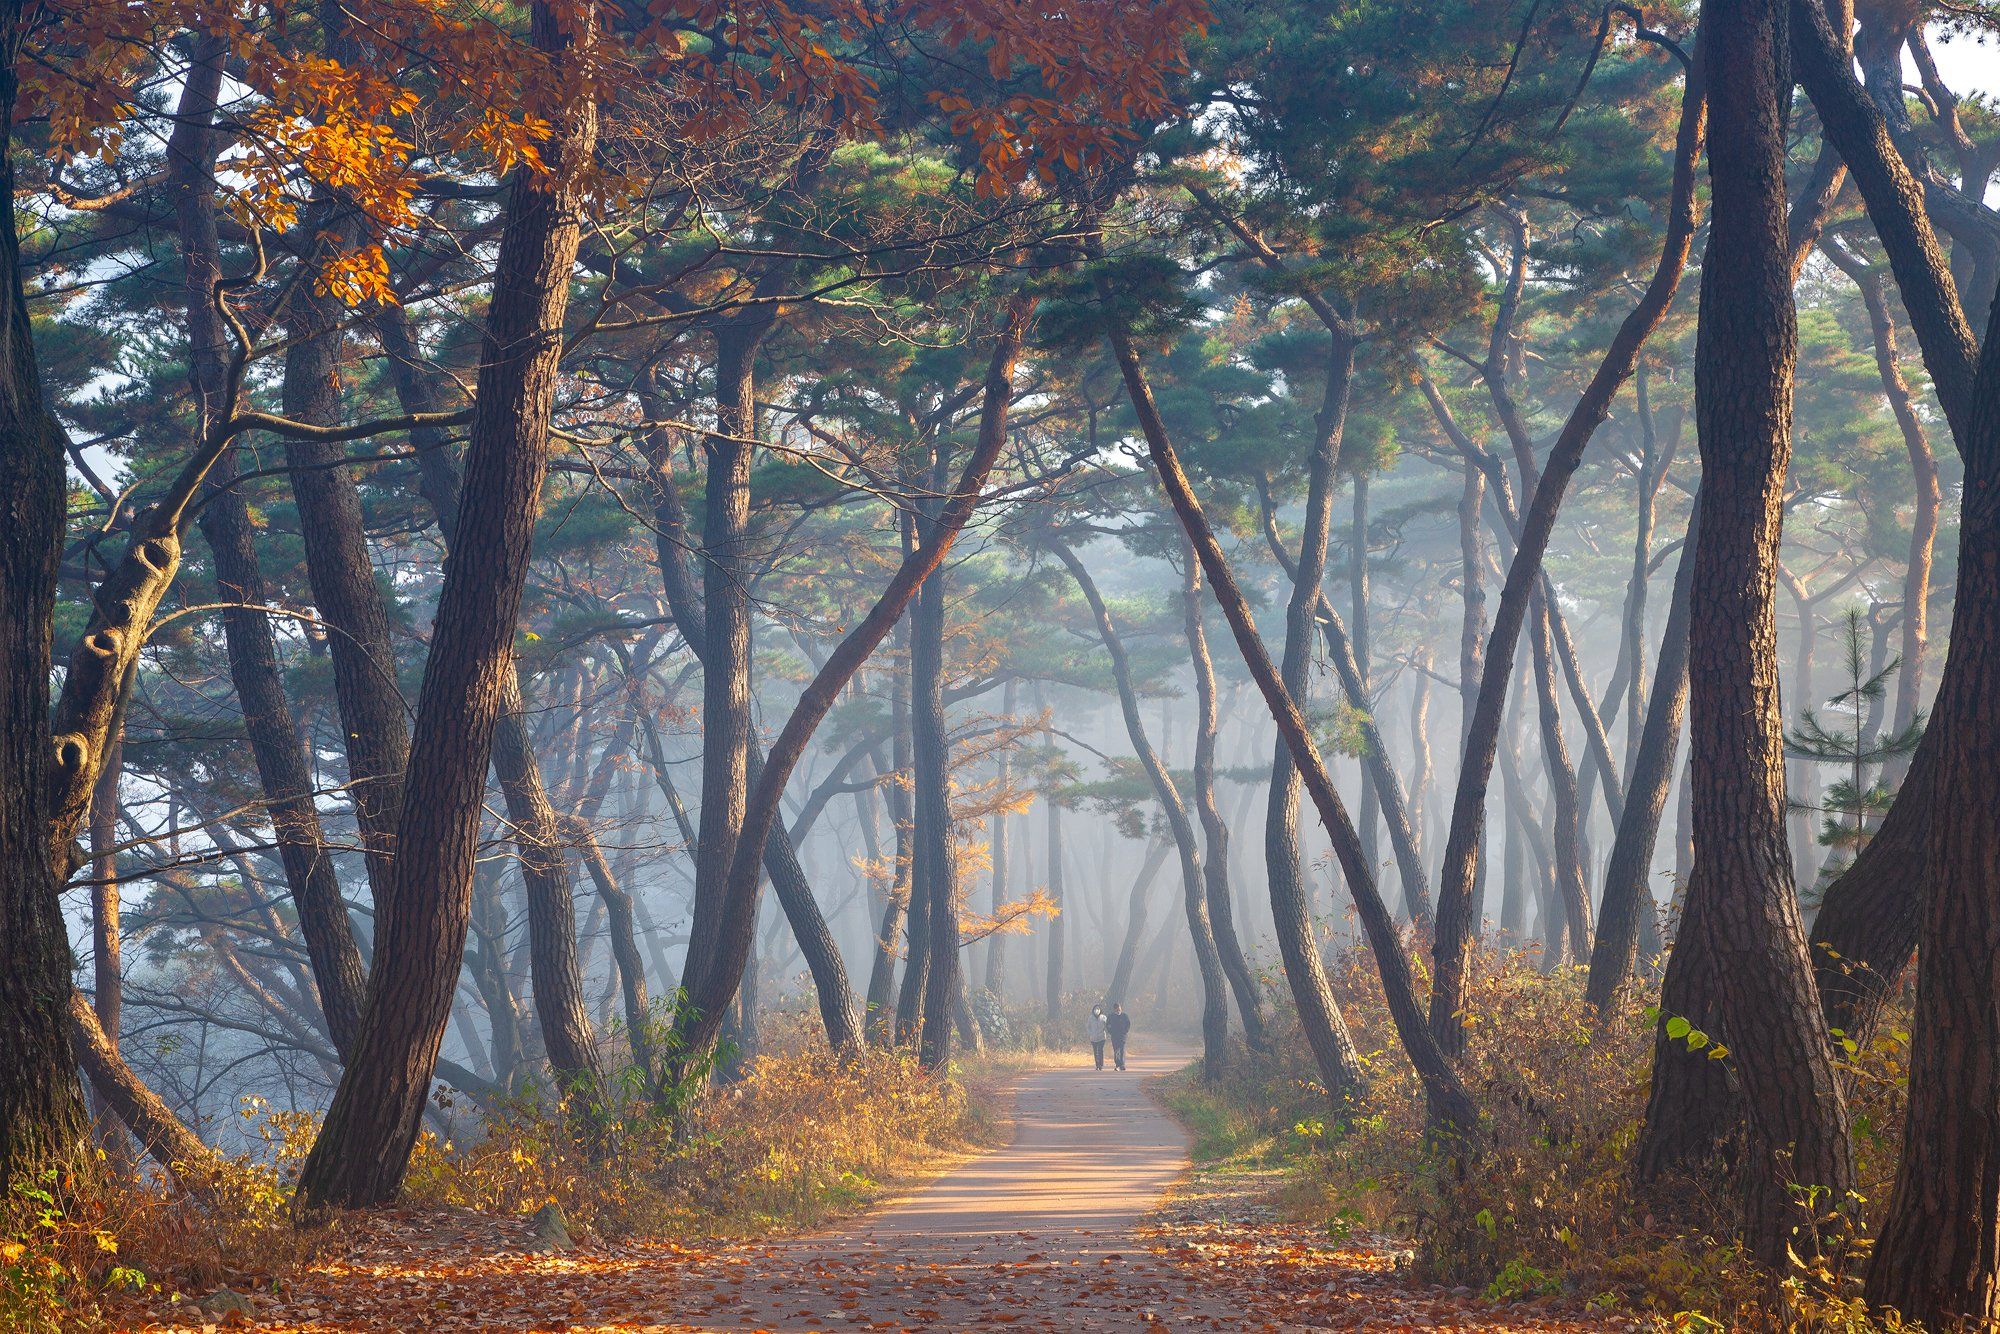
x=1094 y=1029
x=1118 y=1025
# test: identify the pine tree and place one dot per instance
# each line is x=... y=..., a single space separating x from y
x=1852 y=807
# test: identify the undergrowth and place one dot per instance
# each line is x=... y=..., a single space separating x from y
x=1545 y=1203
x=800 y=1136
x=796 y=1136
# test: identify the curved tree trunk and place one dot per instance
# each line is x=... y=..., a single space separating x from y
x=1455 y=922
x=1741 y=922
x=1451 y=1106
x=1334 y=1053
x=1215 y=834
x=1573 y=894
x=1135 y=922
x=735 y=935
x=1938 y=1257
x=363 y=1149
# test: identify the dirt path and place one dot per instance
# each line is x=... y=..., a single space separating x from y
x=1039 y=1234
x=1062 y=1229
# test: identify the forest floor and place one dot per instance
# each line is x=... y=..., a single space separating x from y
x=1089 y=1219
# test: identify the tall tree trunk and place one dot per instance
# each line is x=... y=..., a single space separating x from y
x=820 y=695
x=1627 y=896
x=996 y=944
x=364 y=1146
x=275 y=745
x=1367 y=806
x=1910 y=669
x=342 y=575
x=1938 y=1258
x=1208 y=959
x=1450 y=1105
x=1215 y=834
x=1867 y=928
x=1334 y=1055
x=1574 y=895
x=43 y=1121
x=1741 y=921
x=1053 y=979
x=1135 y=921
x=809 y=928
x=1455 y=921
x=936 y=867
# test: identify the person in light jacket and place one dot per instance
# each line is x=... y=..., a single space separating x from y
x=1094 y=1029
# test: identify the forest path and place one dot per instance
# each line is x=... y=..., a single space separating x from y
x=1038 y=1234
x=1065 y=1228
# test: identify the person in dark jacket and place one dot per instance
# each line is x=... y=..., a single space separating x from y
x=1116 y=1027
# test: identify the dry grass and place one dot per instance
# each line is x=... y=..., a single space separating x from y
x=1545 y=1202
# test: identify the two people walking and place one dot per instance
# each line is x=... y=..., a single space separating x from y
x=1115 y=1026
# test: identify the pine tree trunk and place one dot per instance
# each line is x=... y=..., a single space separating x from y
x=1456 y=925
x=364 y=1146
x=1334 y=1053
x=1215 y=834
x=43 y=1121
x=936 y=868
x=1450 y=1105
x=1741 y=938
x=1628 y=898
x=1938 y=1257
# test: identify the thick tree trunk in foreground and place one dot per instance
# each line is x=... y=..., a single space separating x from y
x=1451 y=1107
x=1938 y=1257
x=1741 y=914
x=43 y=1121
x=1215 y=834
x=364 y=1146
x=1452 y=951
x=1214 y=984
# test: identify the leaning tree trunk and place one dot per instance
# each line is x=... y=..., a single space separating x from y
x=1452 y=951
x=1215 y=834
x=43 y=1121
x=1208 y=959
x=1866 y=930
x=736 y=929
x=268 y=724
x=1626 y=880
x=1450 y=1105
x=1741 y=919
x=1938 y=1257
x=1574 y=895
x=363 y=1149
